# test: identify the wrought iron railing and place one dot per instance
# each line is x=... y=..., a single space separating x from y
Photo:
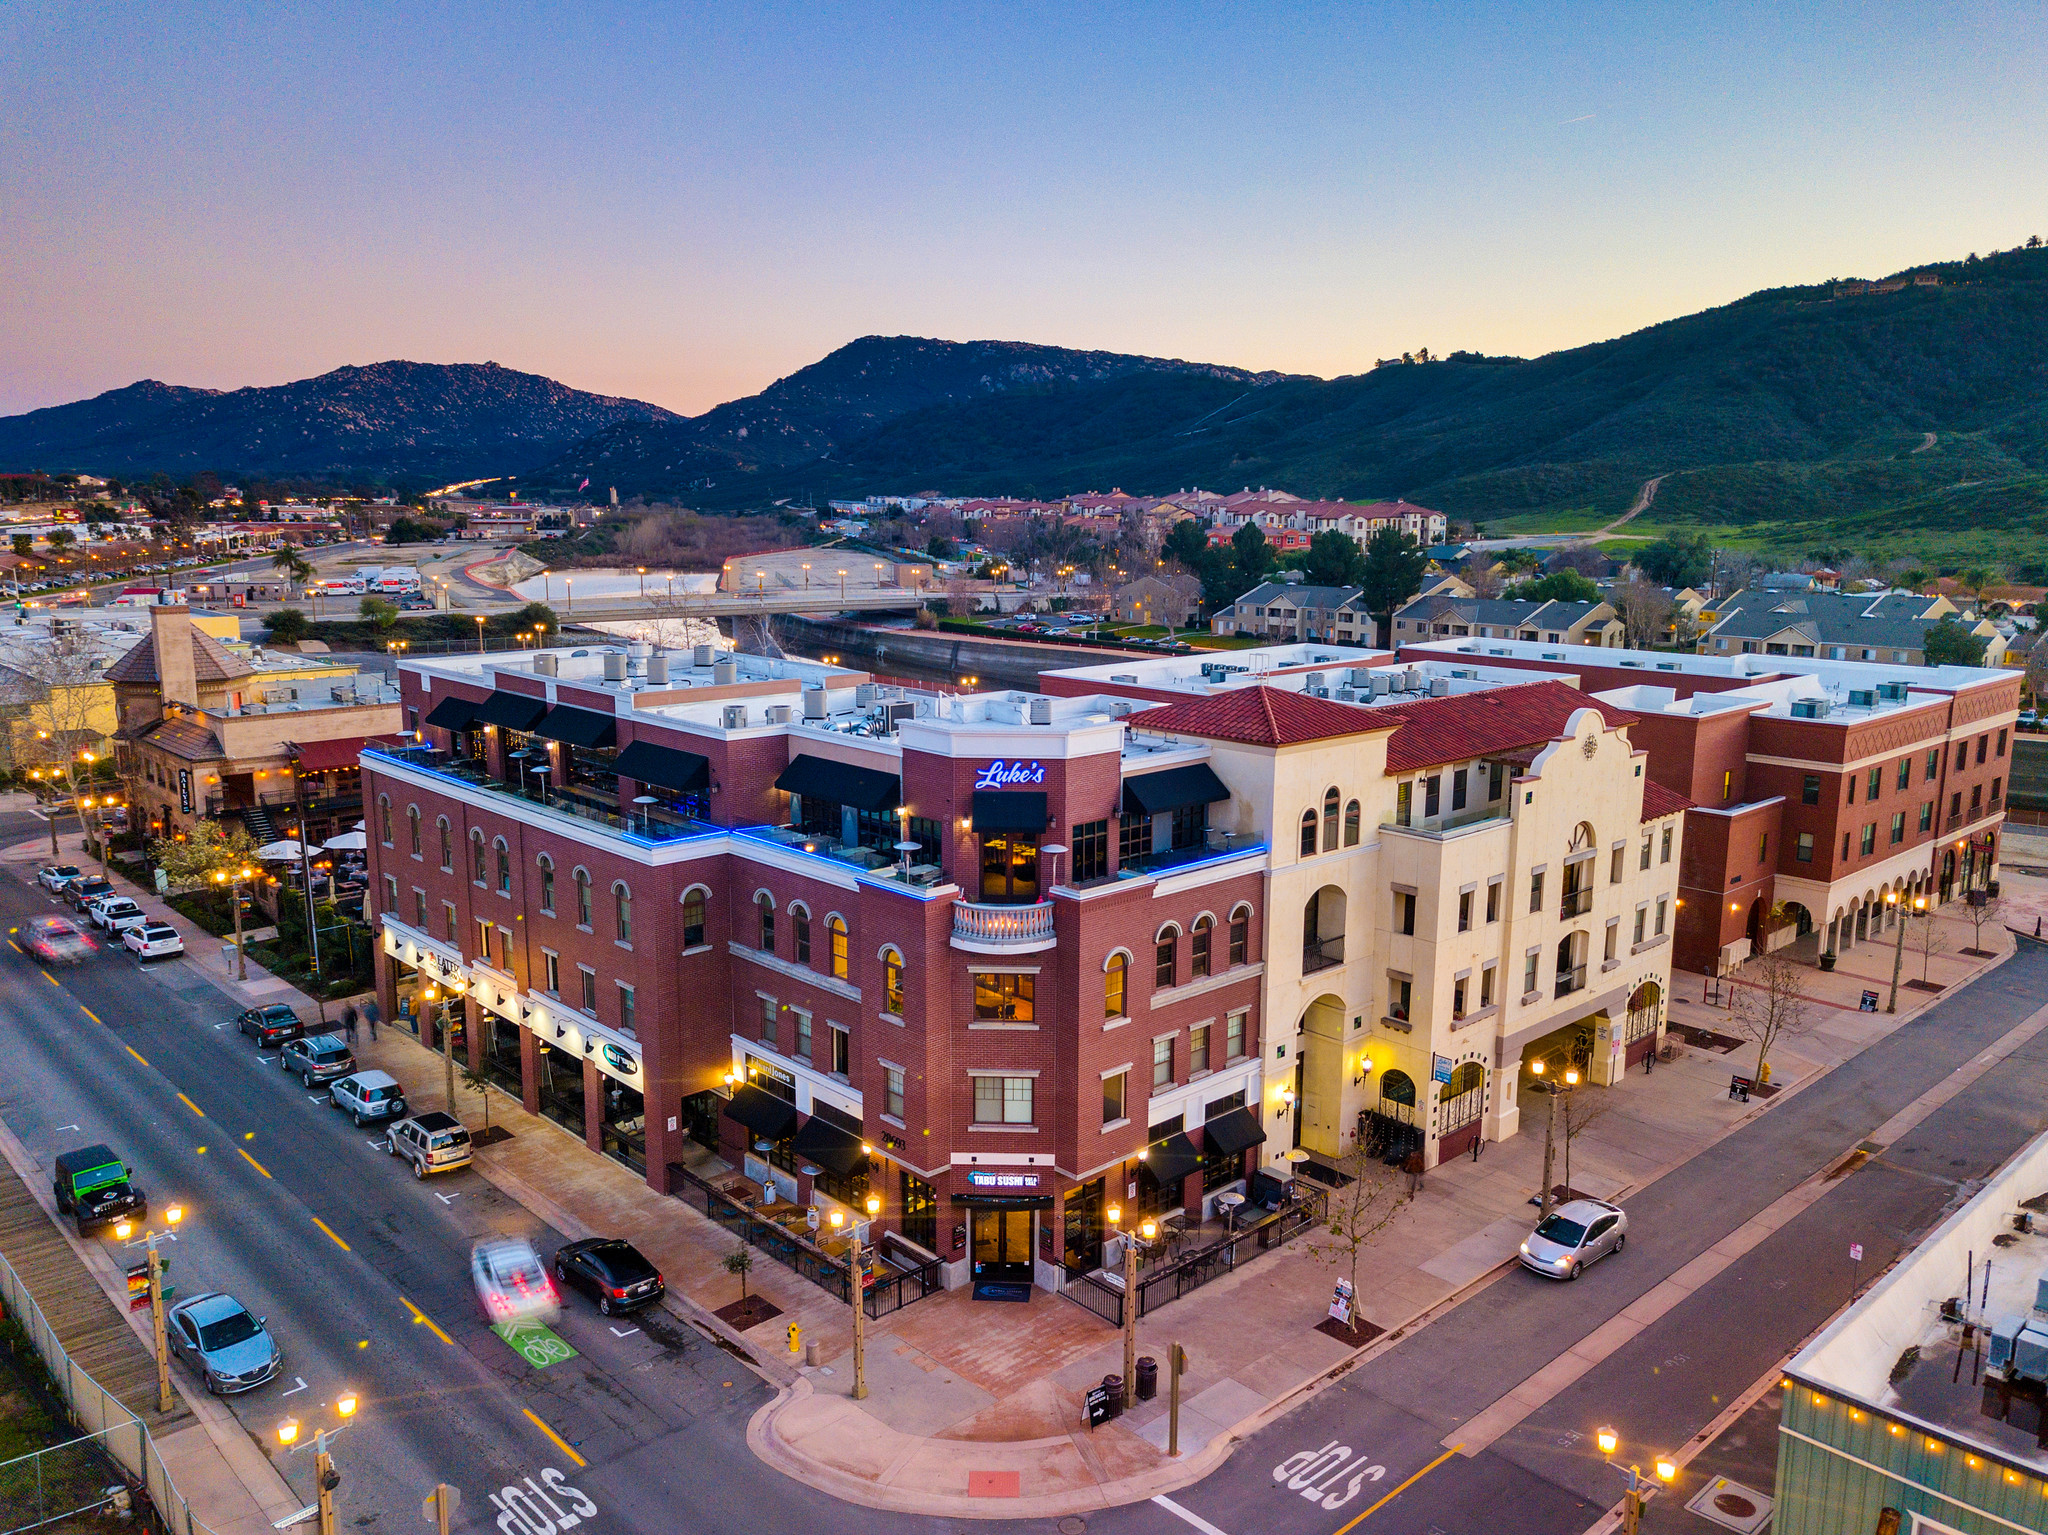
x=1569 y=981
x=1576 y=903
x=1321 y=954
x=1162 y=1283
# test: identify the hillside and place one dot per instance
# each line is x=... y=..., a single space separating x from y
x=401 y=423
x=805 y=418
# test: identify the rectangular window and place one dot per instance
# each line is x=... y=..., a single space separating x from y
x=1529 y=972
x=1198 y=948
x=1400 y=995
x=1727 y=783
x=1115 y=1090
x=1091 y=851
x=2001 y=743
x=1614 y=871
x=1642 y=923
x=1613 y=939
x=1198 y=1049
x=1133 y=838
x=626 y=1024
x=1496 y=780
x=1166 y=959
x=892 y=1092
x=769 y=1013
x=505 y=949
x=547 y=889
x=1996 y=785
x=1983 y=745
x=390 y=893
x=1458 y=997
x=1802 y=850
x=1898 y=827
x=1486 y=985
x=1905 y=775
x=1404 y=912
x=1162 y=1062
x=1003 y=998
x=552 y=963
x=1664 y=855
x=1875 y=786
x=448 y=920
x=589 y=990
x=1536 y=891
x=1644 y=861
x=1955 y=804
x=1845 y=843
x=1432 y=795
x=1927 y=816
x=1234 y=1036
x=1809 y=789
x=419 y=910
x=483 y=942
x=1869 y=839
x=1464 y=911
x=1458 y=780
x=1663 y=908
x=1493 y=889
x=1404 y=803
x=842 y=1050
x=1962 y=755
x=1002 y=1100
x=1763 y=847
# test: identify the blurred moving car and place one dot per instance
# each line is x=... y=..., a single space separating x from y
x=229 y=1348
x=317 y=1058
x=1575 y=1236
x=510 y=1281
x=610 y=1271
x=434 y=1142
x=151 y=940
x=368 y=1095
x=57 y=940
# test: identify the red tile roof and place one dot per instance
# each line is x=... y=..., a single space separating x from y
x=1659 y=801
x=1263 y=716
x=1487 y=724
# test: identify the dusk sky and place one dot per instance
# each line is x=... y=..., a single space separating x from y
x=682 y=203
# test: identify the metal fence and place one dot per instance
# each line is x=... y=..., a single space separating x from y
x=112 y=1429
x=1165 y=1282
x=60 y=1481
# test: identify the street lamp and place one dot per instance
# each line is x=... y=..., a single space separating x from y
x=233 y=879
x=153 y=1266
x=325 y=1477
x=479 y=634
x=856 y=1290
x=1639 y=1487
x=1554 y=1089
x=1899 y=942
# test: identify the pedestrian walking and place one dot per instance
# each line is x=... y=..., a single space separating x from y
x=370 y=1017
x=348 y=1022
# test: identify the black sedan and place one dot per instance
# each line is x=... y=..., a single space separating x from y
x=271 y=1025
x=611 y=1272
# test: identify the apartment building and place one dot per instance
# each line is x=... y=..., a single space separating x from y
x=1887 y=627
x=1282 y=610
x=1274 y=511
x=1821 y=791
x=1442 y=615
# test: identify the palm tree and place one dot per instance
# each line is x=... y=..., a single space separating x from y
x=290 y=562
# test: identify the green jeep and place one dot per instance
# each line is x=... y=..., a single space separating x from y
x=92 y=1185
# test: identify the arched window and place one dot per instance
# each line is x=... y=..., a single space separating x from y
x=477 y=871
x=892 y=982
x=1322 y=930
x=1308 y=834
x=1241 y=936
x=447 y=847
x=1330 y=797
x=1166 y=956
x=1198 y=945
x=547 y=884
x=384 y=820
x=1469 y=1077
x=1116 y=981
x=504 y=868
x=1397 y=1087
x=800 y=932
x=622 y=913
x=412 y=827
x=583 y=898
x=693 y=918
x=764 y=903
x=835 y=930
x=1351 y=824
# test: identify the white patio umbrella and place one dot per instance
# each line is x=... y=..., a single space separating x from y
x=287 y=851
x=347 y=842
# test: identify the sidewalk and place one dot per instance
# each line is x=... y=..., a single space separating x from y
x=975 y=1407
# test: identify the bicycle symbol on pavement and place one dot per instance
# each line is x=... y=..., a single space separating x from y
x=534 y=1341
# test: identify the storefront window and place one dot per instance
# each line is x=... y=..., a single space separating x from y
x=625 y=1125
x=501 y=1055
x=560 y=1079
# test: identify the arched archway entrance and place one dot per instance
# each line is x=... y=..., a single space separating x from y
x=1461 y=1104
x=1645 y=1013
x=1320 y=1076
x=1948 y=875
x=1393 y=1129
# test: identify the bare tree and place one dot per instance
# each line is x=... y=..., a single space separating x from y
x=1485 y=578
x=1356 y=1214
x=1926 y=939
x=2036 y=675
x=1579 y=1109
x=959 y=597
x=1981 y=912
x=1767 y=1004
x=1584 y=558
x=1645 y=612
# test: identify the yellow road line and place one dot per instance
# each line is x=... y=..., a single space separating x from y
x=420 y=1318
x=195 y=1108
x=50 y=978
x=330 y=1231
x=560 y=1443
x=95 y=1017
x=254 y=1163
x=1418 y=1476
x=134 y=1052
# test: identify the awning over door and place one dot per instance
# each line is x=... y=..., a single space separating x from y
x=1238 y=1130
x=510 y=711
x=1157 y=793
x=840 y=782
x=763 y=1113
x=644 y=762
x=453 y=714
x=578 y=727
x=1009 y=810
x=1172 y=1159
x=830 y=1147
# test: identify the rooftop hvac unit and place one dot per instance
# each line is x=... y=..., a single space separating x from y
x=614 y=666
x=547 y=664
x=701 y=655
x=1347 y=695
x=864 y=694
x=1119 y=708
x=1311 y=682
x=1439 y=687
x=1360 y=676
x=778 y=714
x=816 y=703
x=1810 y=708
x=725 y=671
x=1315 y=692
x=903 y=710
x=2005 y=1333
x=2041 y=1294
x=1382 y=684
x=2030 y=1353
x=1133 y=676
x=657 y=670
x=1893 y=692
x=734 y=717
x=1862 y=698
x=1041 y=711
x=1667 y=666
x=636 y=658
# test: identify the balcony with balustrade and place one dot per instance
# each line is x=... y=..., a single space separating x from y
x=980 y=928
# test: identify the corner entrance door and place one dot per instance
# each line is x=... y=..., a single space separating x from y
x=1002 y=1246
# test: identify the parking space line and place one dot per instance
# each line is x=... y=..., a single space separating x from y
x=420 y=1318
x=560 y=1443
x=134 y=1052
x=254 y=1163
x=195 y=1108
x=95 y=1017
x=330 y=1231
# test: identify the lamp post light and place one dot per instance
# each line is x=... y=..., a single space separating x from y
x=233 y=878
x=1639 y=1486
x=842 y=586
x=1899 y=942
x=325 y=1477
x=155 y=1264
x=1130 y=1307
x=807 y=575
x=479 y=634
x=856 y=1290
x=1553 y=1090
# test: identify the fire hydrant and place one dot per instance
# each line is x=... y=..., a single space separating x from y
x=795 y=1339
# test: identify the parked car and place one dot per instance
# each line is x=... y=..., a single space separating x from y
x=611 y=1272
x=368 y=1095
x=271 y=1025
x=92 y=1185
x=82 y=893
x=510 y=1282
x=57 y=940
x=1575 y=1236
x=151 y=940
x=111 y=913
x=229 y=1349
x=53 y=876
x=317 y=1058
x=434 y=1142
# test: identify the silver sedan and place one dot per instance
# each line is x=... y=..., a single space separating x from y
x=1575 y=1236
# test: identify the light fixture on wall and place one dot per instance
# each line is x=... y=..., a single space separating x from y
x=1286 y=1101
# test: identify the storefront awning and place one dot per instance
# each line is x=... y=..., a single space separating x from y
x=453 y=713
x=1238 y=1130
x=840 y=782
x=578 y=727
x=1009 y=810
x=1173 y=1158
x=830 y=1147
x=328 y=756
x=664 y=766
x=510 y=711
x=1004 y=1201
x=1157 y=793
x=763 y=1113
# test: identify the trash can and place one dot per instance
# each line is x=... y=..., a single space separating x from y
x=1148 y=1377
x=1114 y=1385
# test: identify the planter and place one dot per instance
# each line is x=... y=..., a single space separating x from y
x=1827 y=961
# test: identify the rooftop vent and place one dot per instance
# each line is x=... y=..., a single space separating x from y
x=725 y=670
x=614 y=666
x=815 y=703
x=778 y=714
x=657 y=670
x=734 y=717
x=548 y=664
x=1041 y=711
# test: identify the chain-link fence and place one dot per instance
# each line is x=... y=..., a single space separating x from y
x=51 y=1484
x=113 y=1434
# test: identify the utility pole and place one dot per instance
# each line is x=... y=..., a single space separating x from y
x=1549 y=1142
x=857 y=1281
x=233 y=880
x=155 y=1266
x=1899 y=943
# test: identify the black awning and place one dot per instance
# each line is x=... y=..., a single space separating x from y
x=644 y=762
x=1239 y=1130
x=510 y=711
x=1004 y=1201
x=578 y=727
x=1157 y=793
x=763 y=1113
x=830 y=1147
x=840 y=782
x=453 y=714
x=1173 y=1158
x=1009 y=810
